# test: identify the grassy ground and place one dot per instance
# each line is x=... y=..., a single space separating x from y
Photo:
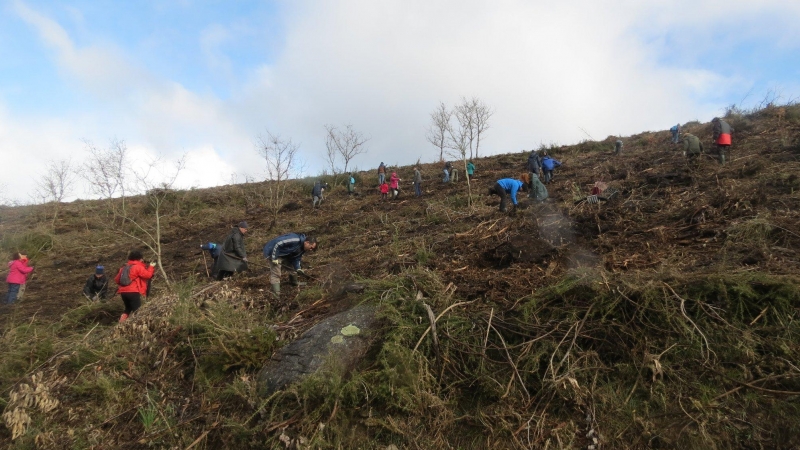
x=662 y=319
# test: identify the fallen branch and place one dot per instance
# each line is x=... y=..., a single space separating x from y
x=437 y=319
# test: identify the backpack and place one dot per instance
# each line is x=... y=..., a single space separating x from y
x=125 y=276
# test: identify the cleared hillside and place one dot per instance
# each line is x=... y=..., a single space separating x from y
x=664 y=318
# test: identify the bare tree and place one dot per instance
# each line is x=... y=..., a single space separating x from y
x=459 y=141
x=55 y=184
x=465 y=116
x=281 y=159
x=158 y=190
x=481 y=113
x=347 y=144
x=437 y=130
x=105 y=171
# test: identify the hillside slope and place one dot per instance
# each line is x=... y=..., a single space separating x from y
x=664 y=318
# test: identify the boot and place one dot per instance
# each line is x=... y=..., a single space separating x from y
x=722 y=159
x=276 y=290
x=293 y=281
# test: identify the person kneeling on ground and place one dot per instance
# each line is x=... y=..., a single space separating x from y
x=96 y=287
x=287 y=250
x=132 y=280
x=505 y=187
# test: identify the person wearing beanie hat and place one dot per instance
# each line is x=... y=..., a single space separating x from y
x=233 y=256
x=96 y=287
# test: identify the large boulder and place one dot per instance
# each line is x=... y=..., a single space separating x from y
x=343 y=338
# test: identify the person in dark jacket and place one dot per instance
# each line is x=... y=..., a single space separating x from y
x=448 y=167
x=417 y=182
x=534 y=164
x=287 y=250
x=505 y=187
x=233 y=257
x=618 y=146
x=722 y=138
x=139 y=275
x=96 y=287
x=317 y=193
x=548 y=165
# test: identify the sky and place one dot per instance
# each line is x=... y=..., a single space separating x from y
x=205 y=78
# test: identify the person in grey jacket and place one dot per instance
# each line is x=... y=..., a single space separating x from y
x=417 y=182
x=722 y=138
x=233 y=257
x=287 y=250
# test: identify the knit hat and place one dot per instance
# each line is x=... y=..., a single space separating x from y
x=243 y=224
x=99 y=270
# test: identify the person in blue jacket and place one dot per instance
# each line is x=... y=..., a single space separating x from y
x=675 y=130
x=548 y=165
x=351 y=185
x=505 y=187
x=287 y=250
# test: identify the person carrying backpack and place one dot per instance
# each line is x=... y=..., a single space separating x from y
x=132 y=279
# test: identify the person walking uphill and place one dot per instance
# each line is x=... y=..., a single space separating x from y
x=505 y=187
x=381 y=174
x=534 y=164
x=417 y=182
x=675 y=130
x=233 y=257
x=470 y=170
x=548 y=165
x=287 y=250
x=351 y=185
x=96 y=287
x=18 y=271
x=394 y=185
x=132 y=280
x=722 y=138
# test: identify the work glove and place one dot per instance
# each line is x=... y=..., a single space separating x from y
x=152 y=264
x=277 y=262
x=244 y=259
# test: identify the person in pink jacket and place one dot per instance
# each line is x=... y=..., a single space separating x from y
x=394 y=185
x=18 y=271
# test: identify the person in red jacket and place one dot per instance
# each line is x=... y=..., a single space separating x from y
x=139 y=273
x=18 y=271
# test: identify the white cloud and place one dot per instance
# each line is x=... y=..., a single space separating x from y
x=548 y=69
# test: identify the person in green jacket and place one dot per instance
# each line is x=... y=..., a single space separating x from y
x=692 y=146
x=470 y=170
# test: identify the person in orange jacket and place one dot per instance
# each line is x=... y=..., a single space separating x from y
x=132 y=280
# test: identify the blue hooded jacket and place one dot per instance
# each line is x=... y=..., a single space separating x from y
x=289 y=246
x=511 y=186
x=549 y=163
